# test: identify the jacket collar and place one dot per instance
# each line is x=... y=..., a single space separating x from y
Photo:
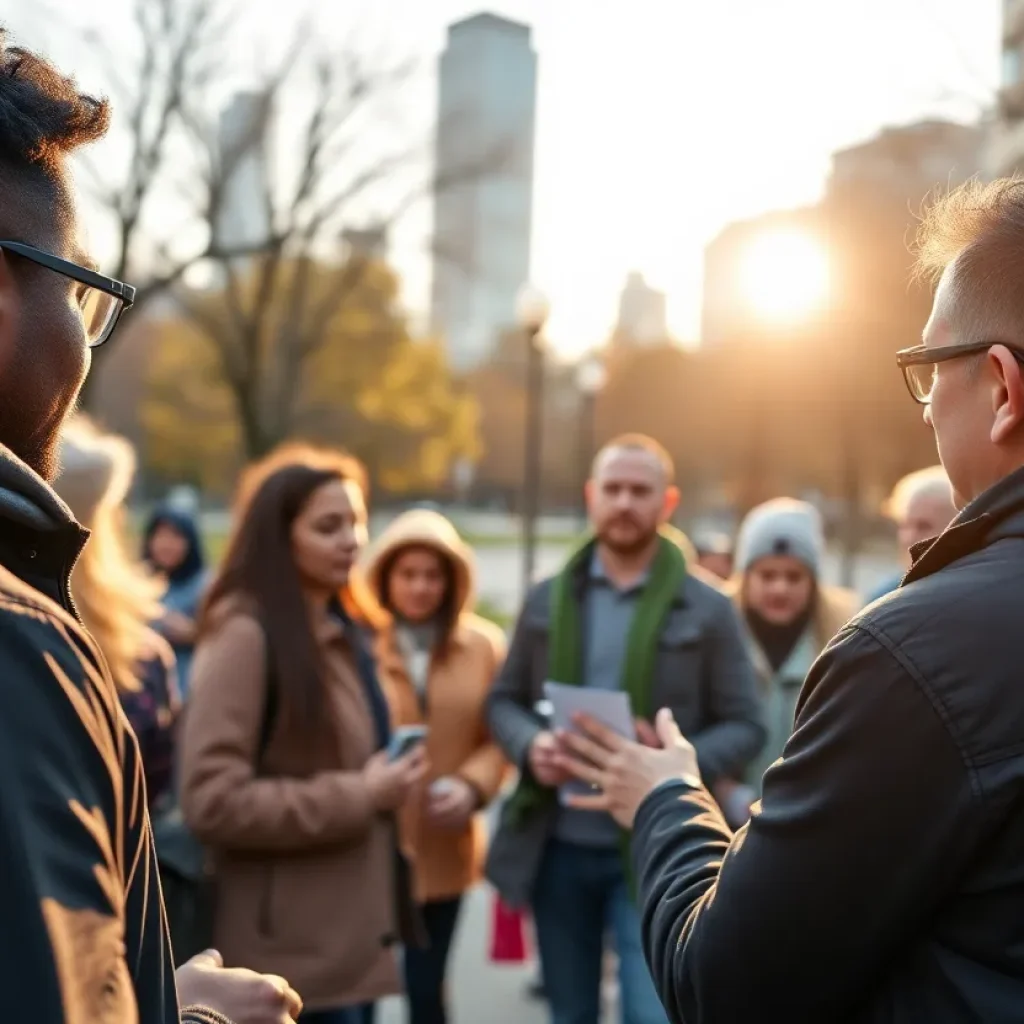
x=40 y=540
x=26 y=498
x=993 y=515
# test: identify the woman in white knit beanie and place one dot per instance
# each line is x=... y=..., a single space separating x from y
x=788 y=615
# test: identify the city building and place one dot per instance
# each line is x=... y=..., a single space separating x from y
x=1006 y=141
x=243 y=220
x=912 y=160
x=642 y=319
x=726 y=316
x=899 y=165
x=483 y=202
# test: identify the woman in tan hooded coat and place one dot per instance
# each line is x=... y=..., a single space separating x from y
x=436 y=662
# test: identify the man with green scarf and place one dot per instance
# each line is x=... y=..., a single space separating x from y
x=627 y=612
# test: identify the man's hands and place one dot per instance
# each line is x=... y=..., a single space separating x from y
x=543 y=760
x=391 y=782
x=621 y=771
x=243 y=996
x=451 y=802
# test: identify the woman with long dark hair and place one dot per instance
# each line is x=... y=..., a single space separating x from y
x=438 y=661
x=285 y=771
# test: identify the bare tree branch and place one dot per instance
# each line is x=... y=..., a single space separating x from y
x=322 y=150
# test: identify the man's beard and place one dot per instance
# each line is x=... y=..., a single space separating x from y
x=640 y=540
x=37 y=449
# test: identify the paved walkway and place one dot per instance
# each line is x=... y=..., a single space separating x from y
x=481 y=992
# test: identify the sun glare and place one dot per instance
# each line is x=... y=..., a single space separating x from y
x=785 y=276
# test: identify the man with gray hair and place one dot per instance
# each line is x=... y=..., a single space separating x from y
x=882 y=877
x=921 y=506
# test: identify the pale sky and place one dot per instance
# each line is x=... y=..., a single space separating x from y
x=659 y=121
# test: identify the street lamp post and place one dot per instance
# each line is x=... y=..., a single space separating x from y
x=590 y=379
x=532 y=313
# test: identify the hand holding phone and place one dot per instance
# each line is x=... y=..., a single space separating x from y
x=406 y=739
x=391 y=779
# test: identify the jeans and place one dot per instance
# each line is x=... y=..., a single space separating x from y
x=345 y=1015
x=425 y=968
x=582 y=893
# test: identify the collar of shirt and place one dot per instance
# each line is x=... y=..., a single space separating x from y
x=599 y=575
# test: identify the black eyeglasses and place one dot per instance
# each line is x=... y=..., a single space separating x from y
x=918 y=364
x=101 y=299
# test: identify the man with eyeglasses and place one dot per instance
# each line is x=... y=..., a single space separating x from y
x=82 y=934
x=882 y=877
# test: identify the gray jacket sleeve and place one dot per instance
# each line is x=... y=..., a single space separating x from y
x=735 y=708
x=510 y=715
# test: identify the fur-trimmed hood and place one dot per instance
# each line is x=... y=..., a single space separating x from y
x=422 y=527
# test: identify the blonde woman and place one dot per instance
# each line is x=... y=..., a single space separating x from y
x=117 y=598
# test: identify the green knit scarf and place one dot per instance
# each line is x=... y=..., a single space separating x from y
x=565 y=645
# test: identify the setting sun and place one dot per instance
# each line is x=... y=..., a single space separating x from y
x=785 y=276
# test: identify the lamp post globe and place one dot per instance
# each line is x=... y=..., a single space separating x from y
x=532 y=308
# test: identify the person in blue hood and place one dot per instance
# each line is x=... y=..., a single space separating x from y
x=172 y=546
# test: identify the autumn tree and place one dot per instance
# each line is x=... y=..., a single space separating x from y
x=324 y=129
x=215 y=402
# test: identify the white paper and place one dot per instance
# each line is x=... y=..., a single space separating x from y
x=609 y=707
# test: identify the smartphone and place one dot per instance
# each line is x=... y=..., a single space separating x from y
x=406 y=739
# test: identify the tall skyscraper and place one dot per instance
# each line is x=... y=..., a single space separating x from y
x=243 y=219
x=1006 y=141
x=484 y=201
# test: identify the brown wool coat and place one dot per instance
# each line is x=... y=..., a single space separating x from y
x=305 y=865
x=445 y=862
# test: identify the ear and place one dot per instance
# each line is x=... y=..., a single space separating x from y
x=671 y=502
x=1007 y=393
x=588 y=491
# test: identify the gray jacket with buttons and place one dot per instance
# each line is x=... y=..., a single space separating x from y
x=702 y=672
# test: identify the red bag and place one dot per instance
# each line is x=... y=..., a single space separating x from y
x=508 y=934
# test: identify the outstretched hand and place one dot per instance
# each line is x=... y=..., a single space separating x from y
x=623 y=772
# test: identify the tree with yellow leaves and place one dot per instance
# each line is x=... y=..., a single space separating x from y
x=303 y=348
